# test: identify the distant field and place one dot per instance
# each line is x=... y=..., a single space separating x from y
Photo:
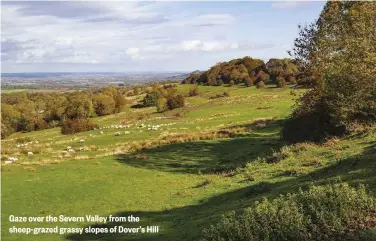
x=14 y=90
x=37 y=90
x=209 y=160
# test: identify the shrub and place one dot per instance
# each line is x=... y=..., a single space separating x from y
x=260 y=85
x=329 y=213
x=71 y=126
x=219 y=82
x=150 y=99
x=161 y=104
x=174 y=102
x=231 y=83
x=193 y=91
x=249 y=81
x=281 y=82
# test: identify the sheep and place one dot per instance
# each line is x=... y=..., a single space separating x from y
x=8 y=162
x=101 y=132
x=36 y=142
x=81 y=149
x=18 y=146
x=71 y=150
x=68 y=148
x=12 y=159
x=127 y=132
x=90 y=134
x=64 y=152
x=117 y=134
x=260 y=125
x=82 y=140
x=29 y=153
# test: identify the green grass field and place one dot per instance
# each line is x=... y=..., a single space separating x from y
x=183 y=177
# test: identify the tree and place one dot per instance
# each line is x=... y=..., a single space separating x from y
x=174 y=102
x=337 y=58
x=150 y=99
x=80 y=106
x=103 y=104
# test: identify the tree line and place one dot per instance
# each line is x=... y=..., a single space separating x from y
x=247 y=71
x=28 y=111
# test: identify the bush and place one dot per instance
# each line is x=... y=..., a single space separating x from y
x=72 y=126
x=174 y=102
x=260 y=85
x=249 y=81
x=281 y=82
x=330 y=213
x=150 y=99
x=193 y=91
x=231 y=83
x=161 y=104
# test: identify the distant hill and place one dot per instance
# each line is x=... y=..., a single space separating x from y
x=246 y=70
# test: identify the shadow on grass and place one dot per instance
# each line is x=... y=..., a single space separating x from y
x=202 y=156
x=208 y=156
x=186 y=223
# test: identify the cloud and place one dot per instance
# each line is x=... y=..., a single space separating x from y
x=214 y=19
x=289 y=4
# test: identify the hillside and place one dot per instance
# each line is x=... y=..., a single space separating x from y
x=206 y=159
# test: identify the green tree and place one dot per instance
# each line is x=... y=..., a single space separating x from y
x=80 y=106
x=103 y=105
x=337 y=57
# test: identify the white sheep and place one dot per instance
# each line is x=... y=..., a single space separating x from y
x=101 y=132
x=71 y=150
x=36 y=142
x=81 y=149
x=260 y=125
x=127 y=132
x=117 y=134
x=68 y=148
x=12 y=159
x=82 y=140
x=8 y=162
x=29 y=153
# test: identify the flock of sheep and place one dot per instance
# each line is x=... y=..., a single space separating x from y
x=69 y=149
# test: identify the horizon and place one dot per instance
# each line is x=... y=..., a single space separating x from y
x=60 y=37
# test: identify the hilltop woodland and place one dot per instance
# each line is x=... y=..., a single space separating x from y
x=247 y=71
x=226 y=155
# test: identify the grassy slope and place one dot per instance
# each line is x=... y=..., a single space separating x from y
x=165 y=185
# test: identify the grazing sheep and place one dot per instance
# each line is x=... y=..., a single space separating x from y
x=36 y=142
x=260 y=125
x=82 y=140
x=8 y=162
x=29 y=153
x=117 y=134
x=71 y=150
x=127 y=132
x=81 y=149
x=90 y=134
x=12 y=159
x=68 y=148
x=64 y=152
x=18 y=146
x=101 y=132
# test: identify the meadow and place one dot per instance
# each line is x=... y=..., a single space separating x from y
x=210 y=157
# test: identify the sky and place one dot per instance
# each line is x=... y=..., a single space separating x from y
x=126 y=36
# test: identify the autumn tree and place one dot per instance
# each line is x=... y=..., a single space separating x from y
x=337 y=58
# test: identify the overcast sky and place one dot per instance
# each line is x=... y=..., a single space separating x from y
x=145 y=36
